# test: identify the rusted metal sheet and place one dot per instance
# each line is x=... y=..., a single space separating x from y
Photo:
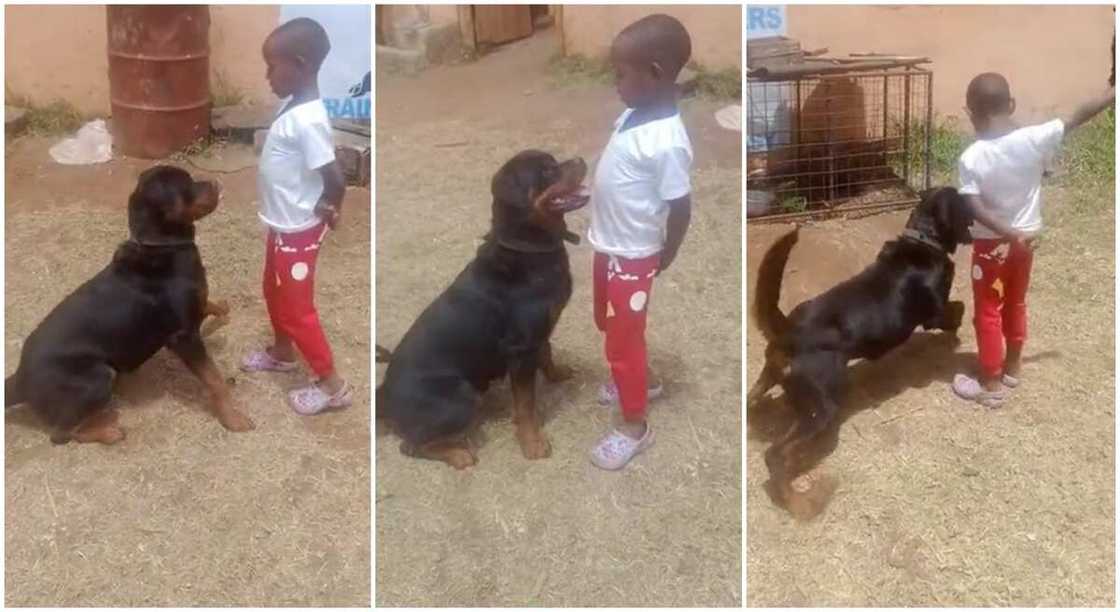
x=159 y=77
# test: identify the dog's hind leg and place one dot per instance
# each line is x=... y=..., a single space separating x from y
x=813 y=387
x=100 y=426
x=771 y=375
x=452 y=451
x=75 y=407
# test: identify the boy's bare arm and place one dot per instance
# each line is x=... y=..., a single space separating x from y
x=680 y=213
x=334 y=188
x=985 y=217
x=1089 y=109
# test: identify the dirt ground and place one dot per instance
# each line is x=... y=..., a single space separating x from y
x=183 y=512
x=559 y=532
x=942 y=503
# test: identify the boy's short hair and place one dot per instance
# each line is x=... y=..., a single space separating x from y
x=988 y=94
x=659 y=38
x=305 y=38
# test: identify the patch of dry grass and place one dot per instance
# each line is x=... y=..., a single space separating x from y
x=183 y=512
x=560 y=532
x=942 y=503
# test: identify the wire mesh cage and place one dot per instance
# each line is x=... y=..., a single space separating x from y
x=852 y=141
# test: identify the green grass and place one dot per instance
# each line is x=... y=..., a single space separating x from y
x=720 y=84
x=573 y=69
x=1086 y=160
x=793 y=204
x=58 y=117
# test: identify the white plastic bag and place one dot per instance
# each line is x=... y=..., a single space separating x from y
x=91 y=145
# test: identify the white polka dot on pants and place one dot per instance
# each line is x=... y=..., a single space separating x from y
x=299 y=271
x=977 y=273
x=638 y=301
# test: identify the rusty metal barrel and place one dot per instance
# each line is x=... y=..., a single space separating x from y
x=159 y=77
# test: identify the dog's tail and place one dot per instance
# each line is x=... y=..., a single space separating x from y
x=384 y=355
x=768 y=288
x=13 y=391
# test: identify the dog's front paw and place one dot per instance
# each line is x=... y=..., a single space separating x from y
x=235 y=420
x=534 y=445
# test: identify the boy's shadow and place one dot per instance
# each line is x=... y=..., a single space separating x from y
x=926 y=358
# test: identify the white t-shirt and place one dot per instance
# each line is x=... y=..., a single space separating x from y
x=298 y=143
x=1008 y=172
x=641 y=169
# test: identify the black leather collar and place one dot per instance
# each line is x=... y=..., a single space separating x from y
x=164 y=243
x=920 y=237
x=524 y=246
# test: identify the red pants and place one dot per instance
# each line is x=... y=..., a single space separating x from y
x=621 y=293
x=289 y=293
x=1001 y=273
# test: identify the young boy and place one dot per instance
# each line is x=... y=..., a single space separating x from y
x=301 y=189
x=1000 y=179
x=640 y=209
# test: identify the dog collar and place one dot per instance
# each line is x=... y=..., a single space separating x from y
x=174 y=242
x=921 y=238
x=522 y=246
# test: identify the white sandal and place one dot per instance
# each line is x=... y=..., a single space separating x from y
x=616 y=449
x=312 y=400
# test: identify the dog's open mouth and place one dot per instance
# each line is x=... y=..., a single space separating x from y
x=567 y=202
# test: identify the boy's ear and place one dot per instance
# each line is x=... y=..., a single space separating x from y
x=1011 y=107
x=657 y=71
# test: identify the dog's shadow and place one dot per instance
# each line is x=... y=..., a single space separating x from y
x=926 y=358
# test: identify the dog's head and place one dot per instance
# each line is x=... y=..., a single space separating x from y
x=532 y=193
x=944 y=217
x=166 y=203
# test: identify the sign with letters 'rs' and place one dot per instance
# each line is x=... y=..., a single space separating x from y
x=344 y=79
x=765 y=20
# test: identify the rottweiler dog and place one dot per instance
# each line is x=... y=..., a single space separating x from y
x=864 y=317
x=153 y=294
x=494 y=320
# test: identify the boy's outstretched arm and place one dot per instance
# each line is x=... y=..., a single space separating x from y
x=1089 y=109
x=329 y=207
x=680 y=213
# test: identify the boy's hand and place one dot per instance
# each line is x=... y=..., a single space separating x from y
x=680 y=212
x=331 y=214
x=329 y=208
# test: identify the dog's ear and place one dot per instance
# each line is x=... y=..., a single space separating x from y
x=510 y=186
x=163 y=195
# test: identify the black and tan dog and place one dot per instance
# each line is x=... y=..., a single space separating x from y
x=153 y=294
x=807 y=353
x=494 y=320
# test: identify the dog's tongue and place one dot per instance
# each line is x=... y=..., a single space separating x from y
x=571 y=201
